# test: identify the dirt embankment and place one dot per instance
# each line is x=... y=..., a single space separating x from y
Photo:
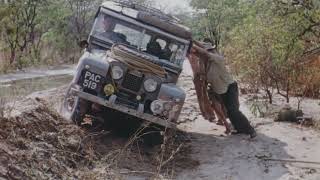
x=40 y=144
x=37 y=143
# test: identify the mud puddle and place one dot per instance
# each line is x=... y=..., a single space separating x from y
x=22 y=84
x=20 y=88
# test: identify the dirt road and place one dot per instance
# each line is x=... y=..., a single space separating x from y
x=239 y=158
x=31 y=145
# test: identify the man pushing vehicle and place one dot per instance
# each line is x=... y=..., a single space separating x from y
x=222 y=88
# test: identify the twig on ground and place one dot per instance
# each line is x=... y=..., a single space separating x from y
x=2 y=107
x=138 y=172
x=290 y=161
x=163 y=146
x=172 y=155
x=92 y=135
x=133 y=138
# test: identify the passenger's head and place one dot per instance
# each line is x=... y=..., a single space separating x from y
x=154 y=48
x=107 y=22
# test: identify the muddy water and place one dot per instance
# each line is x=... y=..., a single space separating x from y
x=19 y=88
x=22 y=84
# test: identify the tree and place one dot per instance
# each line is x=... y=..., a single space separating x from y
x=217 y=18
x=19 y=25
x=33 y=28
x=264 y=41
x=272 y=41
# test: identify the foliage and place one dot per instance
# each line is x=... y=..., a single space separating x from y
x=45 y=31
x=266 y=41
x=216 y=17
x=35 y=31
x=271 y=45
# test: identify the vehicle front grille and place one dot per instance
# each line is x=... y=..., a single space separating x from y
x=126 y=100
x=132 y=82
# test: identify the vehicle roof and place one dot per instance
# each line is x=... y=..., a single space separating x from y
x=151 y=16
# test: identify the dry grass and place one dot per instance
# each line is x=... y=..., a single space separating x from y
x=4 y=65
x=317 y=125
x=6 y=107
x=157 y=162
x=2 y=107
x=8 y=102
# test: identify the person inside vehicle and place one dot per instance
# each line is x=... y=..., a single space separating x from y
x=154 y=48
x=108 y=25
x=224 y=86
x=166 y=53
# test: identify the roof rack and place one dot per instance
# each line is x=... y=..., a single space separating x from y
x=153 y=11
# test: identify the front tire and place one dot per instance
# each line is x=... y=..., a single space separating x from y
x=74 y=108
x=81 y=109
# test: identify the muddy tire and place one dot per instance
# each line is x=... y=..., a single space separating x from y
x=81 y=108
x=74 y=108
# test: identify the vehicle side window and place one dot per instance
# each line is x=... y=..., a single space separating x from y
x=145 y=41
x=165 y=49
x=129 y=35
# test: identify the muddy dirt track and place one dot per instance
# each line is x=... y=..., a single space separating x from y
x=37 y=143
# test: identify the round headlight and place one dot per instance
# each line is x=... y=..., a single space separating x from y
x=117 y=72
x=150 y=85
x=157 y=107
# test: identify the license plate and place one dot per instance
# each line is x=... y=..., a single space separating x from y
x=91 y=80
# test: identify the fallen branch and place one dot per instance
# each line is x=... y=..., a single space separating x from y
x=138 y=172
x=291 y=161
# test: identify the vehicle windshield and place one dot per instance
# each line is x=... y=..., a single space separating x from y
x=114 y=30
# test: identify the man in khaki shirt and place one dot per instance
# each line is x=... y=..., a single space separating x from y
x=223 y=87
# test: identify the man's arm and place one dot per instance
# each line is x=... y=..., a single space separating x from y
x=200 y=51
x=198 y=44
x=200 y=48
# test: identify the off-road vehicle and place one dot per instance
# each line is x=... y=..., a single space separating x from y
x=131 y=64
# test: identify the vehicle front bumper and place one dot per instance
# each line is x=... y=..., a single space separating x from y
x=111 y=104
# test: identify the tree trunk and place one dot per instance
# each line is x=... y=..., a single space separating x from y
x=269 y=96
x=12 y=56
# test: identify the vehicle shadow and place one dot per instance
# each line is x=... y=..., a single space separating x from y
x=200 y=156
x=235 y=157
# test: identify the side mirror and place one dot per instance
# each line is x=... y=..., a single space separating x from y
x=83 y=44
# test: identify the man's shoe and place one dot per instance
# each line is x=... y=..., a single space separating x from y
x=235 y=132
x=253 y=134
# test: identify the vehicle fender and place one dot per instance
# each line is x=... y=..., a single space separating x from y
x=94 y=63
x=171 y=92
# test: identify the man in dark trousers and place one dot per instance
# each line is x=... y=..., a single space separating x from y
x=224 y=87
